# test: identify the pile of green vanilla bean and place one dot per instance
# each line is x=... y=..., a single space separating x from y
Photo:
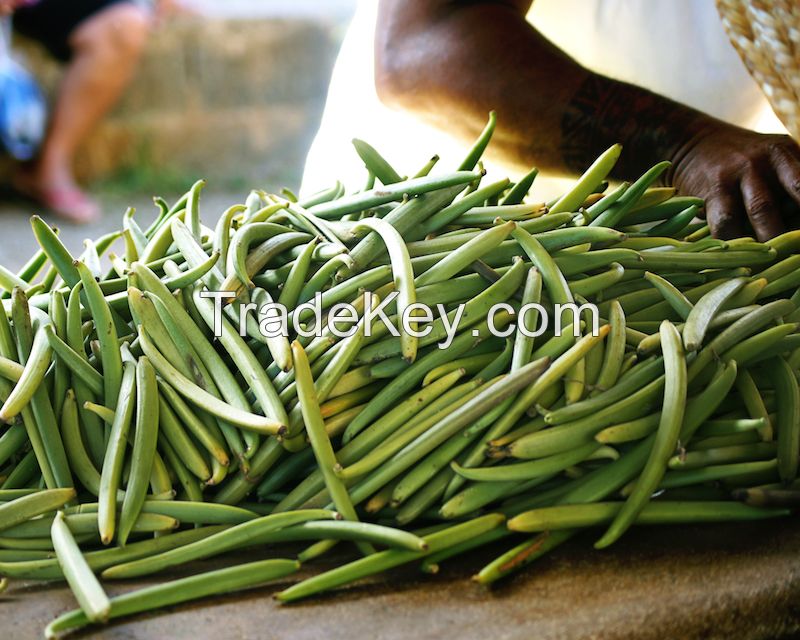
x=134 y=439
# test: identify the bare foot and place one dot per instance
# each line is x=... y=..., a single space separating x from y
x=66 y=200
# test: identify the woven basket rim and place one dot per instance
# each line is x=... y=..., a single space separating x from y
x=766 y=34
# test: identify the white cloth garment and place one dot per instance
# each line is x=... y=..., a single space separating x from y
x=676 y=48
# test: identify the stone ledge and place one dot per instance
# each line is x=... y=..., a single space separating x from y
x=228 y=99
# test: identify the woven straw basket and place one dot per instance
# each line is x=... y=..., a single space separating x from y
x=766 y=33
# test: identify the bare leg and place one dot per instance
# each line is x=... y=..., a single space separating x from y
x=106 y=48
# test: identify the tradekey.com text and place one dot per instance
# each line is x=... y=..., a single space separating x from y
x=418 y=320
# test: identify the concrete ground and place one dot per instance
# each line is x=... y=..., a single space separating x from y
x=17 y=243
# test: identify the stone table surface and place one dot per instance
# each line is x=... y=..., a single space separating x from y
x=720 y=581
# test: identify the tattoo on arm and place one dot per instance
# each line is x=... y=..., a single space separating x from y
x=604 y=111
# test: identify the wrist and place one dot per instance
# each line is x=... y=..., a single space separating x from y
x=687 y=141
x=650 y=128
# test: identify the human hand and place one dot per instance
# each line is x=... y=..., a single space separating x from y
x=743 y=175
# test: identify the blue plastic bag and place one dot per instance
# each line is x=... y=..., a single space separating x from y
x=23 y=110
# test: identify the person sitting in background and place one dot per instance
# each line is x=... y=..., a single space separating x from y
x=100 y=41
x=567 y=78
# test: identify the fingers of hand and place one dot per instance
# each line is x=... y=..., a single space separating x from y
x=762 y=206
x=724 y=214
x=786 y=162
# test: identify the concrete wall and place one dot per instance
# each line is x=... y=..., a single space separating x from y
x=232 y=100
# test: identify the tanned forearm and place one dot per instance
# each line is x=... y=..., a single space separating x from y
x=450 y=62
